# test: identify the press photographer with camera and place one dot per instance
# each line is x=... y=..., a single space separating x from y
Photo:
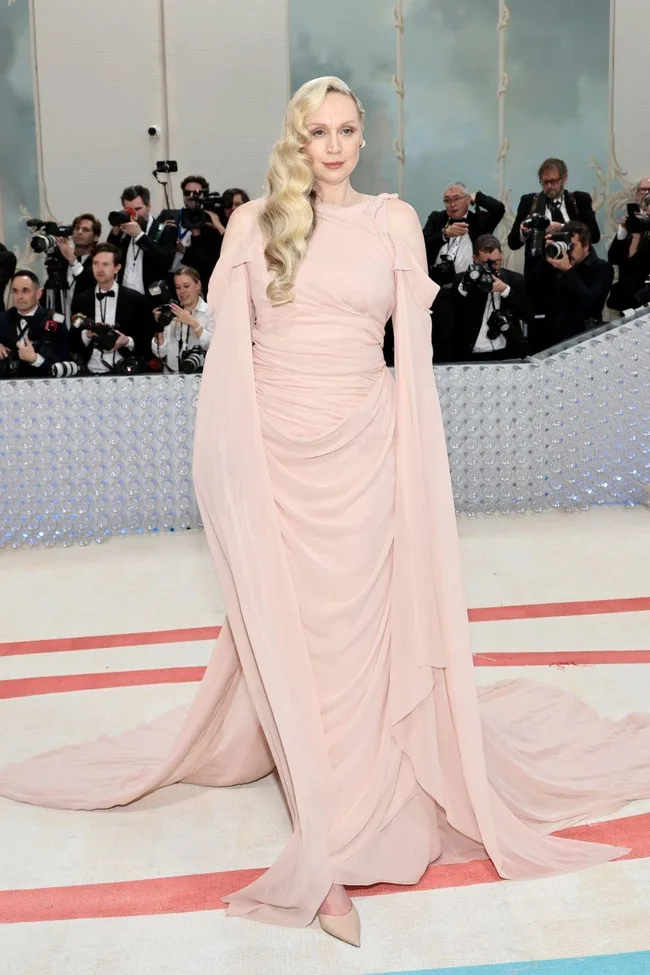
x=146 y=244
x=74 y=252
x=449 y=237
x=568 y=288
x=630 y=251
x=184 y=328
x=198 y=227
x=112 y=324
x=548 y=212
x=489 y=308
x=32 y=338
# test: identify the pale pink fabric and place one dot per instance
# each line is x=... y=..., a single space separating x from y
x=346 y=661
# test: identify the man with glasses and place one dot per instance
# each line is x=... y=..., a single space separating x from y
x=557 y=204
x=200 y=245
x=449 y=236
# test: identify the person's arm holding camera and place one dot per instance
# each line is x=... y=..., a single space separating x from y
x=161 y=252
x=590 y=293
x=519 y=234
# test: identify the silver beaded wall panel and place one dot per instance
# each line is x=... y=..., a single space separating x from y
x=84 y=459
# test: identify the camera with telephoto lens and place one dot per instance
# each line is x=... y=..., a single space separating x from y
x=444 y=273
x=537 y=223
x=104 y=337
x=162 y=296
x=73 y=366
x=193 y=218
x=192 y=360
x=130 y=365
x=44 y=234
x=479 y=277
x=117 y=218
x=559 y=244
x=499 y=322
x=637 y=222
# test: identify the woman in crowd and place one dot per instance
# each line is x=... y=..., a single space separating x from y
x=192 y=326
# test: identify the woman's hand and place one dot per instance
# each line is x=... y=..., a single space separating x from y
x=182 y=315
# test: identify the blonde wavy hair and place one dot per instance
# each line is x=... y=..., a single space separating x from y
x=288 y=217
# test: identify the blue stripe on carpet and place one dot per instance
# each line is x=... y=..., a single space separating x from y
x=637 y=963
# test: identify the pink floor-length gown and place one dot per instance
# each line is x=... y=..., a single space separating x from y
x=345 y=661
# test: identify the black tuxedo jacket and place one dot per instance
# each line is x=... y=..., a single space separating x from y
x=572 y=301
x=49 y=338
x=158 y=251
x=132 y=317
x=633 y=272
x=578 y=205
x=468 y=316
x=7 y=268
x=483 y=220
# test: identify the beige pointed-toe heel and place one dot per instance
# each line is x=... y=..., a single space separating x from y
x=346 y=928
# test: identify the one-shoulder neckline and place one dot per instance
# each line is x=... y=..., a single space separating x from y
x=353 y=206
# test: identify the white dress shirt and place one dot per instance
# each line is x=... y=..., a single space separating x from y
x=105 y=311
x=132 y=277
x=178 y=337
x=493 y=303
x=459 y=249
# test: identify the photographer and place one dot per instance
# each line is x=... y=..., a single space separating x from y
x=32 y=338
x=147 y=246
x=490 y=304
x=449 y=236
x=630 y=250
x=569 y=287
x=122 y=316
x=7 y=267
x=74 y=258
x=199 y=228
x=548 y=212
x=182 y=342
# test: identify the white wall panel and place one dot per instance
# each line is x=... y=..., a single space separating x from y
x=631 y=87
x=99 y=71
x=228 y=65
x=101 y=85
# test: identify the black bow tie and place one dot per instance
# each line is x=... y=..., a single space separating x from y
x=104 y=294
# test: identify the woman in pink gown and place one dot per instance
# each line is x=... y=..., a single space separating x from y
x=345 y=661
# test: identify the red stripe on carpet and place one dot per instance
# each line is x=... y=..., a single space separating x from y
x=30 y=686
x=536 y=611
x=190 y=634
x=109 y=641
x=62 y=683
x=205 y=892
x=562 y=658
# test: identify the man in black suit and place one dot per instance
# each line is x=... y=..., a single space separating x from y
x=452 y=232
x=487 y=324
x=7 y=268
x=554 y=203
x=449 y=236
x=569 y=291
x=125 y=311
x=147 y=245
x=31 y=338
x=630 y=250
x=75 y=263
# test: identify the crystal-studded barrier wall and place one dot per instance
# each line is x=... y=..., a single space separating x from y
x=83 y=459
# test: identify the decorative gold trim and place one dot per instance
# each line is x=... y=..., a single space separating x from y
x=502 y=138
